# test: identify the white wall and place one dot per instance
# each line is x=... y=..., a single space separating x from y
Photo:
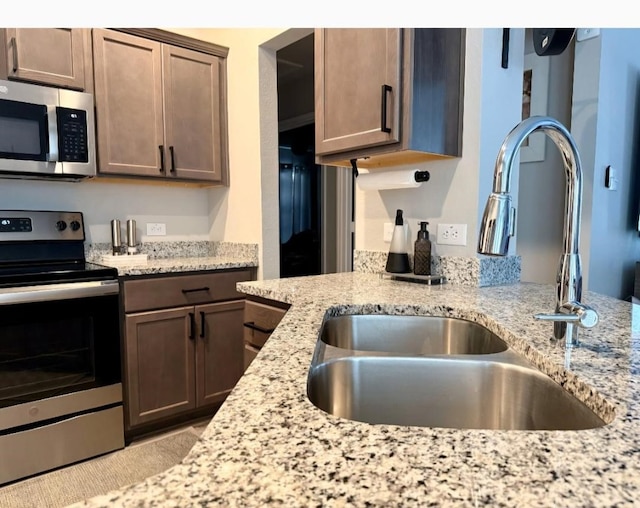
x=541 y=192
x=606 y=124
x=185 y=211
x=458 y=188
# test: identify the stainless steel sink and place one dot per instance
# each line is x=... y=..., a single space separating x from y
x=434 y=371
x=461 y=393
x=418 y=335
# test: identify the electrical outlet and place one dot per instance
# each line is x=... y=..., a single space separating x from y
x=156 y=229
x=452 y=234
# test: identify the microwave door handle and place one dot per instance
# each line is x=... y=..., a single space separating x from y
x=52 y=120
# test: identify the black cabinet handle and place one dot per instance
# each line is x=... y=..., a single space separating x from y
x=185 y=291
x=192 y=324
x=383 y=112
x=253 y=326
x=14 y=49
x=202 y=325
x=173 y=160
x=161 y=148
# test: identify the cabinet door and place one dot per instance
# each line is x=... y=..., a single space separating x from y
x=195 y=116
x=128 y=94
x=51 y=56
x=220 y=350
x=160 y=364
x=357 y=88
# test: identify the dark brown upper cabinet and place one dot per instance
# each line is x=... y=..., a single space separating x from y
x=58 y=57
x=160 y=109
x=388 y=96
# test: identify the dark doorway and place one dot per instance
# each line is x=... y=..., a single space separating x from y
x=300 y=203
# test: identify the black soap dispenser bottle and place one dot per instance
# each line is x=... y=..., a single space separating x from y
x=422 y=251
x=398 y=259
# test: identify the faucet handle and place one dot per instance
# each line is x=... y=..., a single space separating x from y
x=573 y=312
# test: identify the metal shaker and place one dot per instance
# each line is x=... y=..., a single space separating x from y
x=116 y=243
x=131 y=237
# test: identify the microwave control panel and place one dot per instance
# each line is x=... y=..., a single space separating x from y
x=72 y=135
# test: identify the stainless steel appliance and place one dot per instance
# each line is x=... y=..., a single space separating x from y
x=60 y=368
x=46 y=132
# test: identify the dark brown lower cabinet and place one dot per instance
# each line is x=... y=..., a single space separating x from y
x=183 y=359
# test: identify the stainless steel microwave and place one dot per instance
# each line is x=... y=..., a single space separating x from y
x=46 y=133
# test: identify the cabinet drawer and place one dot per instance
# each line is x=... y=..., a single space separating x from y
x=174 y=291
x=259 y=321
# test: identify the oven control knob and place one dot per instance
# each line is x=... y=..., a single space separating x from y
x=61 y=225
x=75 y=225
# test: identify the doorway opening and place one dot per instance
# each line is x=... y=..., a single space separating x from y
x=300 y=203
x=315 y=222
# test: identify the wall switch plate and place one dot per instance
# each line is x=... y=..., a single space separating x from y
x=611 y=179
x=156 y=229
x=452 y=234
x=582 y=34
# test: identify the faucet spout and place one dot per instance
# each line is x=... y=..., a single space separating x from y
x=498 y=221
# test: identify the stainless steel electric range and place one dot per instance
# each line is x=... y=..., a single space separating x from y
x=60 y=368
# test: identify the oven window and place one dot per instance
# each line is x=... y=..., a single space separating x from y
x=23 y=131
x=52 y=348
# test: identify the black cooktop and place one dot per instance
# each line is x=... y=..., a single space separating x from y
x=45 y=247
x=14 y=275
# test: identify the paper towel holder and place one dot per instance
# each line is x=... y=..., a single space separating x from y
x=420 y=176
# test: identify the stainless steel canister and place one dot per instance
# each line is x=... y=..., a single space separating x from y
x=116 y=242
x=131 y=237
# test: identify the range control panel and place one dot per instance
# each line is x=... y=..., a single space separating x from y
x=37 y=225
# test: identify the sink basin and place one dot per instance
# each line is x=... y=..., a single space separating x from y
x=416 y=335
x=471 y=393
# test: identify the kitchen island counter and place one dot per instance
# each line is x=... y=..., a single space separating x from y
x=269 y=445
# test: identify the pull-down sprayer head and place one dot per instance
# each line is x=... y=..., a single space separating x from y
x=497 y=225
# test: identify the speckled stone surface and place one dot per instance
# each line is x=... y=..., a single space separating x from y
x=268 y=445
x=171 y=257
x=182 y=249
x=483 y=271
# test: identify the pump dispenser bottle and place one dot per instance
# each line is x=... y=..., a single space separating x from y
x=422 y=251
x=398 y=258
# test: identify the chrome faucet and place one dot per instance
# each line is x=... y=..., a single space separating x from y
x=498 y=224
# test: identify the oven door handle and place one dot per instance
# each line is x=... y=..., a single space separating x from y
x=65 y=291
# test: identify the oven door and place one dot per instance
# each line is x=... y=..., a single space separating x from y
x=58 y=343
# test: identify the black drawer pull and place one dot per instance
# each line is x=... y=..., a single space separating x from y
x=253 y=326
x=386 y=89
x=185 y=291
x=173 y=160
x=161 y=148
x=192 y=323
x=14 y=49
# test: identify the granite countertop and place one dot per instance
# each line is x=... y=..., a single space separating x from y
x=269 y=445
x=182 y=264
x=177 y=256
